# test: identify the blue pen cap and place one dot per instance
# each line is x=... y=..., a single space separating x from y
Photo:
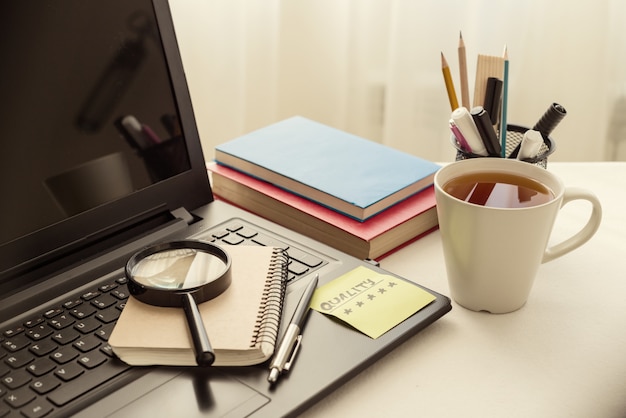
x=514 y=136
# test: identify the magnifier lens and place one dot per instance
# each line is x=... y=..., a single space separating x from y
x=178 y=269
x=181 y=274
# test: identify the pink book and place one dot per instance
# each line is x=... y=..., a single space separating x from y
x=404 y=213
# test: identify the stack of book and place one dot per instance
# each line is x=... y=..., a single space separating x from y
x=351 y=193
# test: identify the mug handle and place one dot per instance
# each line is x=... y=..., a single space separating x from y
x=582 y=236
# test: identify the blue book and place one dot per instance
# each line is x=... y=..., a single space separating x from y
x=351 y=175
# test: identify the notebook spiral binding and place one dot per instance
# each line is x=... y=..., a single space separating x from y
x=270 y=311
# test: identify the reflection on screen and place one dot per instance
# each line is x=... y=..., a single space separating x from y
x=87 y=114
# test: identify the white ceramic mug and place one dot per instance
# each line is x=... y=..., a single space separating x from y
x=492 y=254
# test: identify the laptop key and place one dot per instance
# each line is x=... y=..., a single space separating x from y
x=66 y=336
x=16 y=343
x=220 y=234
x=304 y=258
x=120 y=294
x=103 y=301
x=109 y=315
x=83 y=311
x=92 y=359
x=297 y=268
x=32 y=322
x=39 y=332
x=90 y=295
x=13 y=331
x=69 y=372
x=41 y=348
x=104 y=332
x=107 y=287
x=233 y=239
x=19 y=359
x=235 y=226
x=246 y=232
x=41 y=367
x=70 y=391
x=51 y=313
x=269 y=241
x=108 y=350
x=16 y=379
x=72 y=303
x=88 y=325
x=64 y=355
x=61 y=321
x=87 y=343
x=20 y=397
x=45 y=384
x=37 y=409
x=4 y=369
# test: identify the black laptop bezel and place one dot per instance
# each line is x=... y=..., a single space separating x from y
x=23 y=256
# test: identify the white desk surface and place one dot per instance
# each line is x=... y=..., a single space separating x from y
x=562 y=355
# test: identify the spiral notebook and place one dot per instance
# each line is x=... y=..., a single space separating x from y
x=242 y=323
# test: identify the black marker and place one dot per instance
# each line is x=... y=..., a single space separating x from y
x=493 y=97
x=486 y=131
x=550 y=119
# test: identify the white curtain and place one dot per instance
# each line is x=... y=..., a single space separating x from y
x=373 y=68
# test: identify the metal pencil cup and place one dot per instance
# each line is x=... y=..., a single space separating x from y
x=514 y=135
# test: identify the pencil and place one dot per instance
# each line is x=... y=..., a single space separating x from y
x=445 y=69
x=465 y=99
x=505 y=97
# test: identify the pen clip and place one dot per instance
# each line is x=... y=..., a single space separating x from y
x=293 y=354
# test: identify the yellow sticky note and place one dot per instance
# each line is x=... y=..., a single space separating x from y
x=370 y=301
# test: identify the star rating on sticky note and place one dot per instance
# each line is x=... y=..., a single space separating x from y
x=370 y=301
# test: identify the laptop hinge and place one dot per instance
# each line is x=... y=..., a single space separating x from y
x=183 y=214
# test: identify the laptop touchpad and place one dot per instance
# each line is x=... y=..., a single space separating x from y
x=192 y=393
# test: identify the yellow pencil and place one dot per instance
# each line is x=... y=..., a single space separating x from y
x=465 y=98
x=447 y=78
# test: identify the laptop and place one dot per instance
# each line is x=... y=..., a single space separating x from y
x=101 y=157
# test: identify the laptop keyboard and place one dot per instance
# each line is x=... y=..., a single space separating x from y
x=239 y=233
x=54 y=358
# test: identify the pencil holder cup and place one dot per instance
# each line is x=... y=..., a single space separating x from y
x=514 y=136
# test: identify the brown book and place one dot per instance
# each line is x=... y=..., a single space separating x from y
x=242 y=323
x=374 y=238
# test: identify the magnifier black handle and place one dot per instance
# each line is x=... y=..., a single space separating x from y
x=202 y=346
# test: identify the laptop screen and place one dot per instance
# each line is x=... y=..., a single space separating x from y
x=92 y=135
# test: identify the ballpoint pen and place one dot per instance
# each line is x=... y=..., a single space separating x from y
x=290 y=343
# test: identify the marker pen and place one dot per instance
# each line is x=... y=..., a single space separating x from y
x=459 y=137
x=530 y=145
x=486 y=131
x=493 y=97
x=550 y=119
x=465 y=123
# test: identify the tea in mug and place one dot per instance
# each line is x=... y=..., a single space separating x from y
x=499 y=190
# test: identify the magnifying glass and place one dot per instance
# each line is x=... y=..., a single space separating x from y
x=181 y=274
